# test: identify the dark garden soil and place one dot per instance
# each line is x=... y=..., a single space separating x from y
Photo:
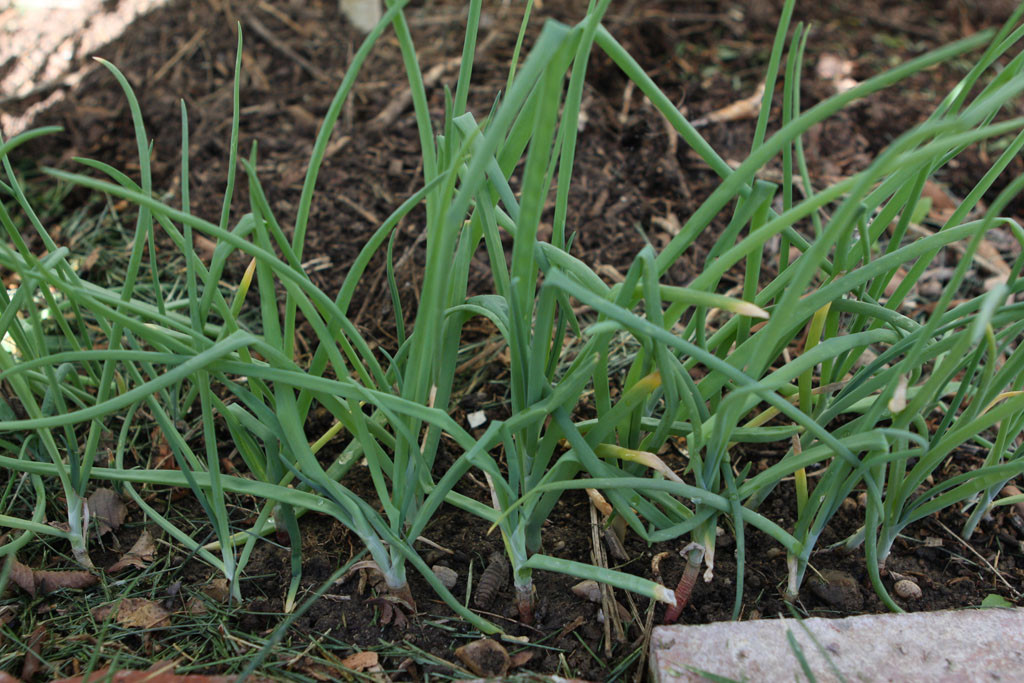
x=634 y=183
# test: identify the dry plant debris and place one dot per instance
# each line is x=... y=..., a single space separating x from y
x=135 y=613
x=34 y=581
x=107 y=509
x=138 y=556
x=485 y=657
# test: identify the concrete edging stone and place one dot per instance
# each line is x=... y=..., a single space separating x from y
x=962 y=645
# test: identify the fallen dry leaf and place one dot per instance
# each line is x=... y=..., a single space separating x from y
x=140 y=554
x=47 y=581
x=361 y=661
x=90 y=260
x=485 y=657
x=390 y=610
x=135 y=613
x=160 y=672
x=218 y=590
x=7 y=614
x=195 y=607
x=163 y=456
x=33 y=662
x=408 y=665
x=107 y=508
x=520 y=658
x=22 y=577
x=204 y=247
x=34 y=581
x=943 y=203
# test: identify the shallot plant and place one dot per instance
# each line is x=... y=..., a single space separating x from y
x=822 y=352
x=871 y=390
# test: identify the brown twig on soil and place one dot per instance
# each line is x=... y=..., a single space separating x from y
x=398 y=104
x=644 y=643
x=177 y=56
x=608 y=606
x=266 y=34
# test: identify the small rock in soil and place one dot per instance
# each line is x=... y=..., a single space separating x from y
x=907 y=589
x=447 y=576
x=838 y=589
x=589 y=590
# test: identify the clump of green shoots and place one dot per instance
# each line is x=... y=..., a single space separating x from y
x=105 y=356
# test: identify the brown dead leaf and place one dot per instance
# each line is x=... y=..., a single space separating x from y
x=47 y=581
x=943 y=203
x=33 y=663
x=485 y=657
x=7 y=614
x=139 y=556
x=361 y=661
x=160 y=672
x=218 y=590
x=90 y=260
x=987 y=256
x=22 y=577
x=135 y=613
x=107 y=508
x=204 y=247
x=34 y=581
x=8 y=678
x=520 y=658
x=408 y=665
x=195 y=607
x=390 y=610
x=163 y=456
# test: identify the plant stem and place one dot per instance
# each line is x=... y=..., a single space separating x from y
x=524 y=602
x=694 y=553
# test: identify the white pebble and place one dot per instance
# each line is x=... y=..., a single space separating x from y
x=448 y=577
x=907 y=589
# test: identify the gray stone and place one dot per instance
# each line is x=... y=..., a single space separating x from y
x=838 y=589
x=965 y=645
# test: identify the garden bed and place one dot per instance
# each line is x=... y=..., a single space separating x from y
x=635 y=182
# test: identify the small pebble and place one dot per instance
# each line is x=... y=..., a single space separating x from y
x=907 y=589
x=448 y=577
x=588 y=590
x=838 y=589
